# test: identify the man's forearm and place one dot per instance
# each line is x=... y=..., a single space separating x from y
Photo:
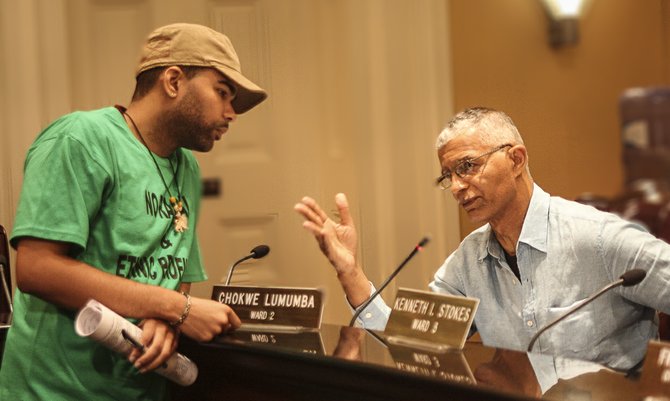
x=44 y=269
x=356 y=286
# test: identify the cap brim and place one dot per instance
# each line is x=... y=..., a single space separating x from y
x=248 y=96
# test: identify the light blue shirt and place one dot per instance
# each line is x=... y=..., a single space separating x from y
x=566 y=252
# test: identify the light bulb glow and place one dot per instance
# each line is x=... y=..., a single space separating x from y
x=564 y=8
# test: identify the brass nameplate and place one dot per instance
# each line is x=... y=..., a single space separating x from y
x=429 y=317
x=450 y=365
x=655 y=379
x=273 y=306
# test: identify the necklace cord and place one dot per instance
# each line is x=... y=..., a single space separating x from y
x=174 y=171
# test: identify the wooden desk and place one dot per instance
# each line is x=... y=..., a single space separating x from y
x=354 y=364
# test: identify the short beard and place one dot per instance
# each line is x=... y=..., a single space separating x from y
x=186 y=127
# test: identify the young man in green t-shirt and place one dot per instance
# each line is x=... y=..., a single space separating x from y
x=107 y=212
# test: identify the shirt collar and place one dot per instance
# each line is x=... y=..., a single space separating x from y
x=493 y=247
x=536 y=223
x=533 y=232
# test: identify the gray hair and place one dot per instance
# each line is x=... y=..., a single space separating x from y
x=493 y=127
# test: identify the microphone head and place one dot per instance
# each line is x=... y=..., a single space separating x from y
x=260 y=251
x=632 y=277
x=424 y=241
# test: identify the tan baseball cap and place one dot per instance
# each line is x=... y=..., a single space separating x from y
x=200 y=46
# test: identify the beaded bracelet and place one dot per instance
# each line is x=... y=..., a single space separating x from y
x=184 y=314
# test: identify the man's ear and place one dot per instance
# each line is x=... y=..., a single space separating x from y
x=519 y=156
x=170 y=82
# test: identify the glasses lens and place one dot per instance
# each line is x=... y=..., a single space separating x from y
x=445 y=182
x=466 y=168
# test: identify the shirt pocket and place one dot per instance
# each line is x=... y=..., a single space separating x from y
x=572 y=336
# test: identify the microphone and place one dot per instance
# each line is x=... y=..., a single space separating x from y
x=5 y=286
x=365 y=304
x=629 y=278
x=256 y=253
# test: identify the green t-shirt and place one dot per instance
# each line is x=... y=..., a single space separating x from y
x=89 y=182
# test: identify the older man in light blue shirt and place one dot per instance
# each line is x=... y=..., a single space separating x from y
x=536 y=257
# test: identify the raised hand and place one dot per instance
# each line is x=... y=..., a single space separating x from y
x=338 y=241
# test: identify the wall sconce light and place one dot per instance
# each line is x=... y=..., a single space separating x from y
x=564 y=21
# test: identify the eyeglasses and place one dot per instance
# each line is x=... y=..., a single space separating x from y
x=465 y=168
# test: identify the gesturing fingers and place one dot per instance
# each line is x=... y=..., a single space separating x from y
x=315 y=207
x=343 y=209
x=311 y=211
